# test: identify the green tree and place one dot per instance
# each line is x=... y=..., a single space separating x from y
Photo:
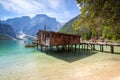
x=97 y=15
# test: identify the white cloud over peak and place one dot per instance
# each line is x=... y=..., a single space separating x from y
x=53 y=8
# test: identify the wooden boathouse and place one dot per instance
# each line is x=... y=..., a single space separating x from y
x=50 y=38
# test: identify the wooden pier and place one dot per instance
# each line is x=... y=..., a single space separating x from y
x=50 y=39
x=101 y=45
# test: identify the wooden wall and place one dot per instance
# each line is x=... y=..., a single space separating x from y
x=56 y=39
x=63 y=39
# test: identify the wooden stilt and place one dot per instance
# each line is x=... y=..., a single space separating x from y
x=87 y=46
x=37 y=46
x=72 y=47
x=68 y=47
x=57 y=48
x=101 y=48
x=41 y=48
x=50 y=48
x=46 y=47
x=75 y=47
x=79 y=46
x=93 y=46
x=82 y=45
x=33 y=44
x=65 y=48
x=112 y=49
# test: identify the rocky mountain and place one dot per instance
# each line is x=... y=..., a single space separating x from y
x=18 y=24
x=30 y=26
x=6 y=31
x=40 y=20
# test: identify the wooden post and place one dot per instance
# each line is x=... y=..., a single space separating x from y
x=41 y=48
x=101 y=48
x=112 y=49
x=68 y=47
x=82 y=45
x=46 y=47
x=50 y=48
x=72 y=47
x=79 y=46
x=34 y=45
x=75 y=47
x=64 y=48
x=87 y=46
x=90 y=46
x=93 y=46
x=37 y=46
x=57 y=48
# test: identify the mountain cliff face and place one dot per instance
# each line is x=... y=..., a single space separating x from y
x=6 y=32
x=31 y=26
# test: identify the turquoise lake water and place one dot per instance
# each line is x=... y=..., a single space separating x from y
x=20 y=63
x=13 y=47
x=13 y=53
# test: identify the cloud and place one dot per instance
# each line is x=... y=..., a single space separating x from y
x=21 y=6
x=55 y=4
x=53 y=8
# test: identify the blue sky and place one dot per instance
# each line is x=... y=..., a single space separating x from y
x=62 y=10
